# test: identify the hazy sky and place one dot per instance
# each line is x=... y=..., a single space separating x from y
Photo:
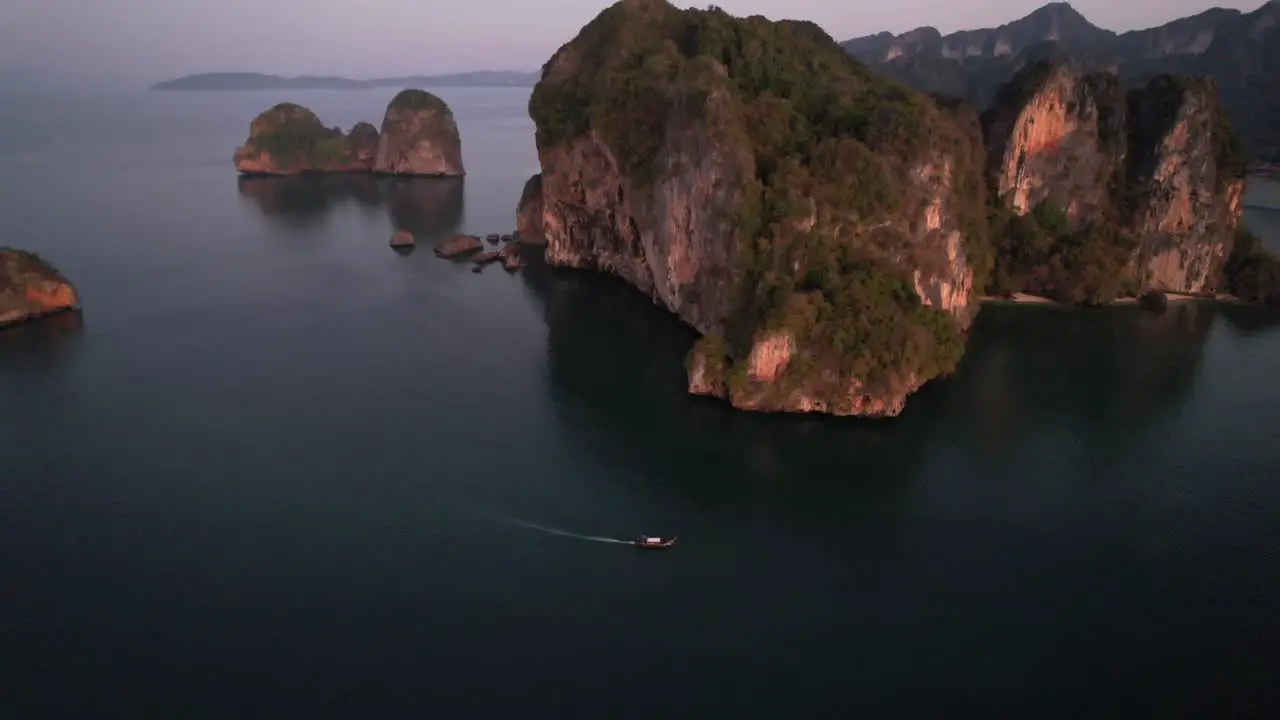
x=149 y=40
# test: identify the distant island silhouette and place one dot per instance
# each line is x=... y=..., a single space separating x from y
x=262 y=81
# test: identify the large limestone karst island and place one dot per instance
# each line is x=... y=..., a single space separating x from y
x=822 y=228
x=828 y=231
x=30 y=288
x=418 y=137
x=1107 y=192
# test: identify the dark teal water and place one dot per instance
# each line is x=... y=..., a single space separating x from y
x=279 y=470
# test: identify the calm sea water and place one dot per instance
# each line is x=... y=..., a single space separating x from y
x=276 y=469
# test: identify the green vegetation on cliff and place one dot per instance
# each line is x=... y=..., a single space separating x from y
x=822 y=246
x=1040 y=253
x=294 y=137
x=1252 y=272
x=291 y=146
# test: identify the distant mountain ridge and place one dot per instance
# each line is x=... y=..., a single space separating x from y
x=1054 y=22
x=1240 y=50
x=262 y=81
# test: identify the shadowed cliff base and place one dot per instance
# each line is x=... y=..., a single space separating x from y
x=1110 y=373
x=617 y=376
x=423 y=206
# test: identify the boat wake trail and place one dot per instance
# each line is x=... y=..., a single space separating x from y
x=558 y=531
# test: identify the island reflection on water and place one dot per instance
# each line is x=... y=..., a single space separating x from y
x=427 y=207
x=1102 y=376
x=41 y=345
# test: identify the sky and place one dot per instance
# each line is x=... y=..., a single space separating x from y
x=151 y=40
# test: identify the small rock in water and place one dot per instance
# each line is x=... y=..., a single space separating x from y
x=402 y=238
x=476 y=269
x=512 y=262
x=459 y=245
x=506 y=238
x=493 y=238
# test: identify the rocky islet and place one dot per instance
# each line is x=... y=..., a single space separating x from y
x=418 y=137
x=31 y=288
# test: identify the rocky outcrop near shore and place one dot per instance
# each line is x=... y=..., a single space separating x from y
x=419 y=137
x=30 y=288
x=458 y=246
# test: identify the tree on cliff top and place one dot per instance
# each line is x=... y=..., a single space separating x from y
x=833 y=150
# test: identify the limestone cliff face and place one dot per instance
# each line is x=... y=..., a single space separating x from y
x=529 y=213
x=943 y=279
x=1055 y=135
x=672 y=240
x=836 y=280
x=419 y=137
x=1155 y=163
x=31 y=287
x=1188 y=202
x=289 y=139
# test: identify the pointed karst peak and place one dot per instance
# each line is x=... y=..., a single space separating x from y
x=1057 y=8
x=1060 y=12
x=924 y=32
x=1056 y=21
